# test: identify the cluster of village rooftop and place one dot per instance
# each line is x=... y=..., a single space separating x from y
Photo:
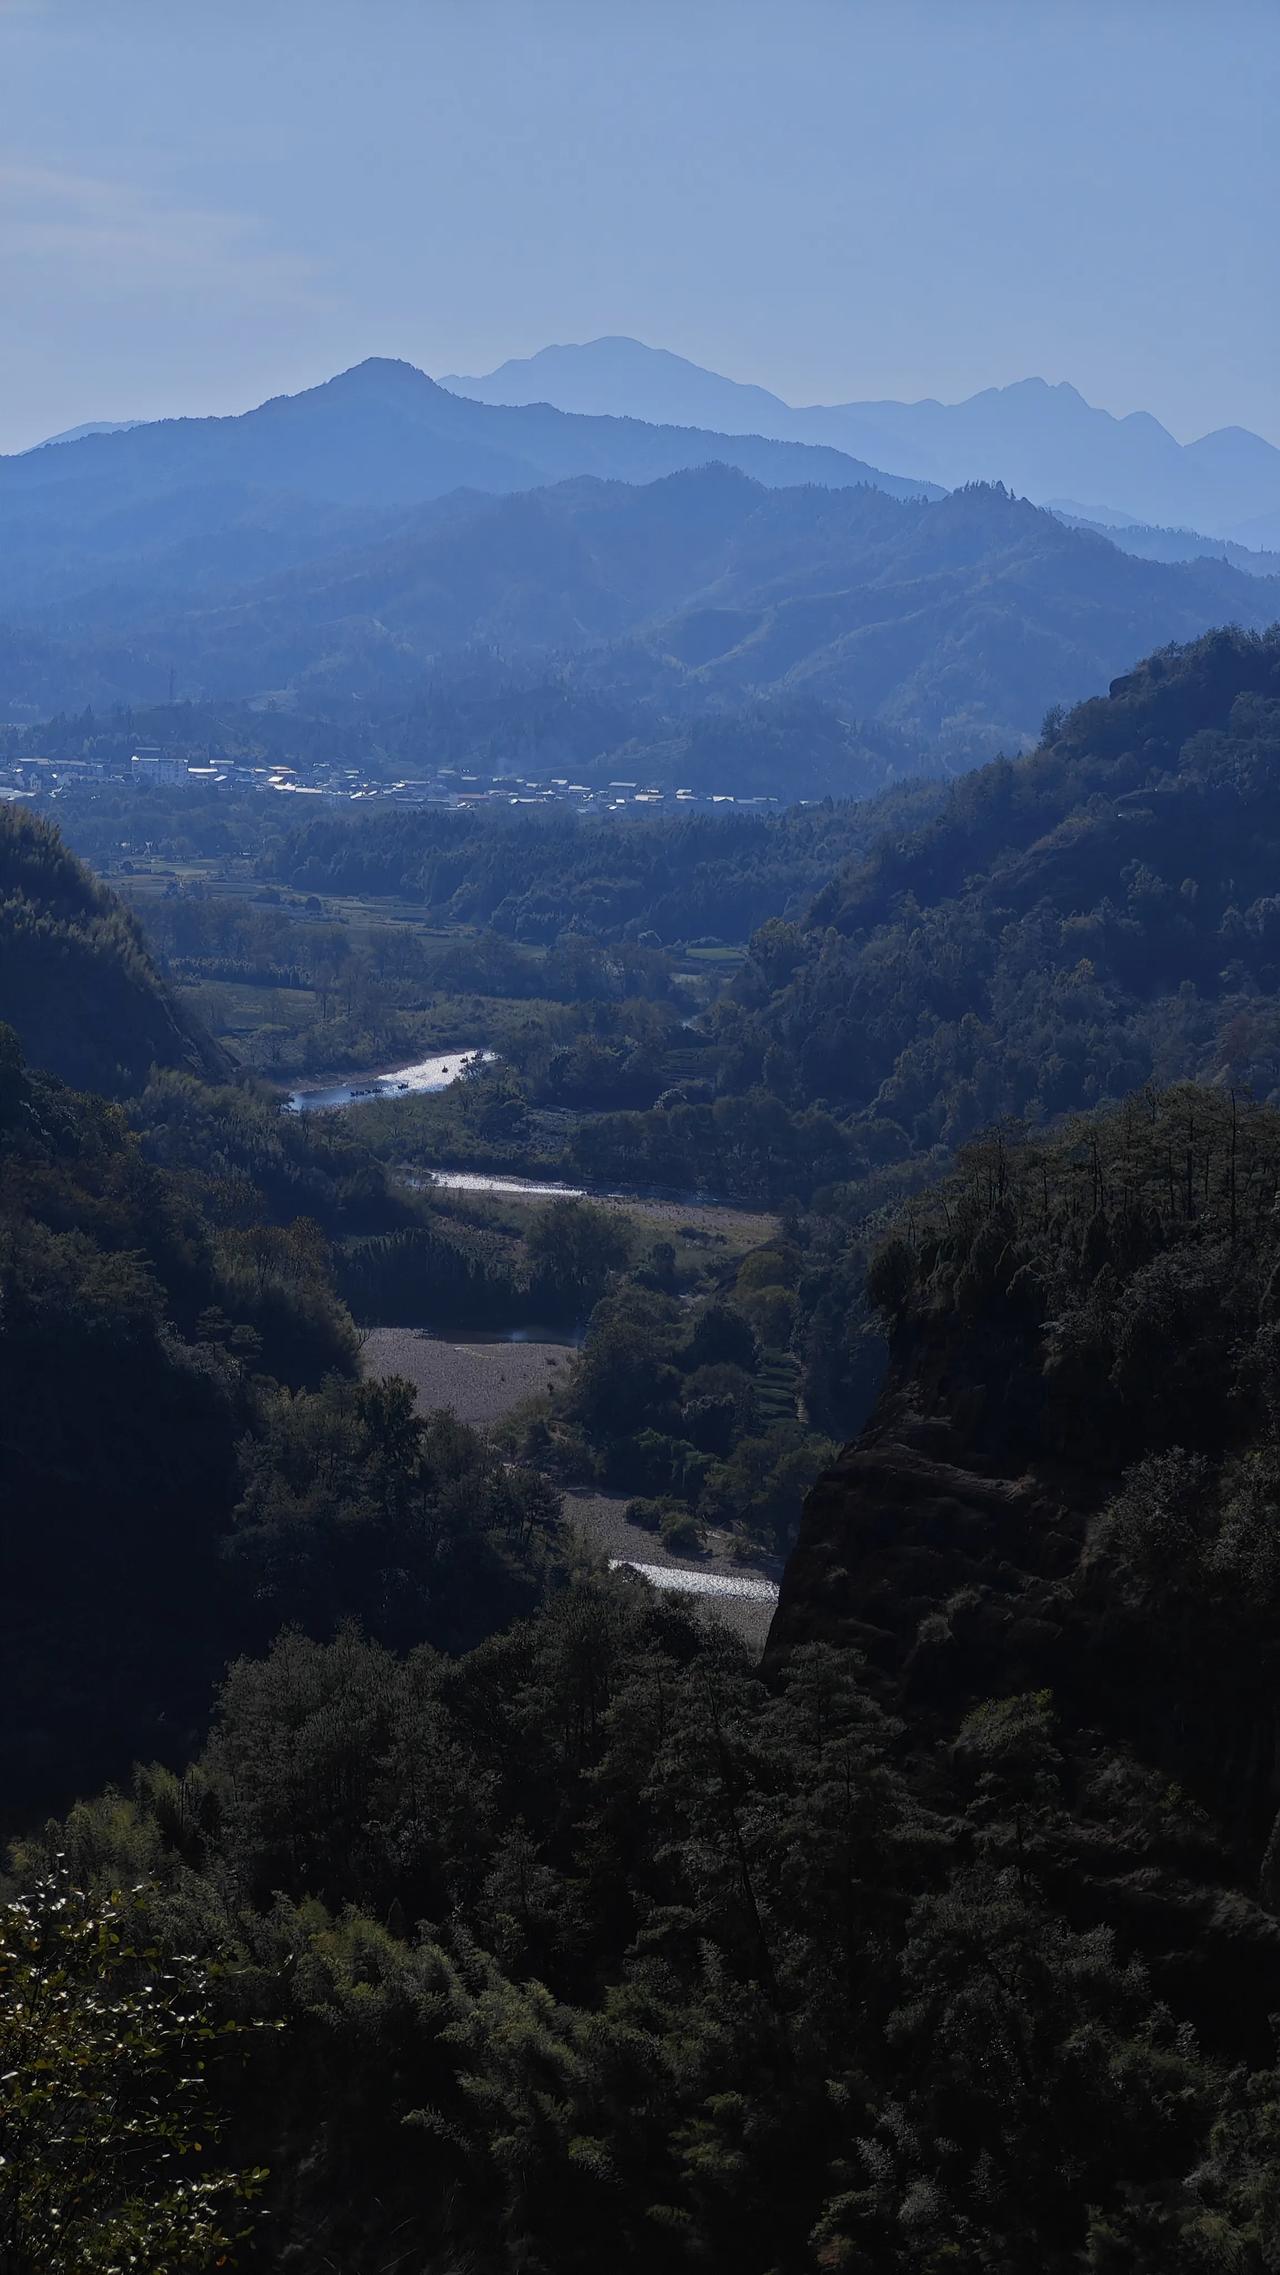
x=152 y=767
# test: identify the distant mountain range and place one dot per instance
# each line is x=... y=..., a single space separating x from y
x=190 y=500
x=1173 y=544
x=1045 y=442
x=951 y=623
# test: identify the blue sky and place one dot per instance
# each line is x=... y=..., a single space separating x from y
x=201 y=205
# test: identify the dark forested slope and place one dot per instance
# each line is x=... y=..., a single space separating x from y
x=950 y=1944
x=185 y=1458
x=1070 y=1482
x=1069 y=926
x=948 y=1940
x=76 y=981
x=186 y=1461
x=1064 y=929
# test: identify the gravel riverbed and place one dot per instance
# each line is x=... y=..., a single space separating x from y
x=480 y=1378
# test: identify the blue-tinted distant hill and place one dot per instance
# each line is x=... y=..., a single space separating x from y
x=92 y=426
x=1174 y=544
x=953 y=623
x=1044 y=442
x=156 y=501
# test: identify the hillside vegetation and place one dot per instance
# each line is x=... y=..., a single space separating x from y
x=186 y=1459
x=1067 y=928
x=554 y=1933
x=78 y=985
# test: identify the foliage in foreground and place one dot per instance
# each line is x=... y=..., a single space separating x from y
x=596 y=1949
x=109 y=2126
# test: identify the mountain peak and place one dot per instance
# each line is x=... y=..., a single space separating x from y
x=382 y=371
x=91 y=427
x=1042 y=437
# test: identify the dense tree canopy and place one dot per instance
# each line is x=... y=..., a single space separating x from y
x=79 y=986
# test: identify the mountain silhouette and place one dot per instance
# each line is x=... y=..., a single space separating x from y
x=1043 y=441
x=376 y=439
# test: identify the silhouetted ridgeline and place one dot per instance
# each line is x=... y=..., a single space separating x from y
x=198 y=501
x=1044 y=441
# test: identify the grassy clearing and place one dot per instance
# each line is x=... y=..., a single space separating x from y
x=703 y=1238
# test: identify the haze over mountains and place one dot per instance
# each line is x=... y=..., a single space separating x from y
x=955 y=621
x=91 y=426
x=344 y=543
x=1172 y=544
x=1045 y=442
x=376 y=439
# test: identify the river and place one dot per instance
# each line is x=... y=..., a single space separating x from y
x=534 y=1188
x=686 y=1582
x=700 y=1210
x=423 y=1076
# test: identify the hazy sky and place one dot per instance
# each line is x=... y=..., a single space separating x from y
x=204 y=202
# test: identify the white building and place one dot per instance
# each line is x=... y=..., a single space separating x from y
x=155 y=765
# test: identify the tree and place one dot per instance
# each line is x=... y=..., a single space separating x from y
x=572 y=1249
x=108 y=2128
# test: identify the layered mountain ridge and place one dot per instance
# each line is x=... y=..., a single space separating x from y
x=954 y=621
x=1043 y=440
x=372 y=442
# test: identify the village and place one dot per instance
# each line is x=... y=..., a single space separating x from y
x=40 y=780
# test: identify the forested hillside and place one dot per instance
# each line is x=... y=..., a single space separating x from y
x=78 y=985
x=553 y=1931
x=1067 y=928
x=531 y=876
x=186 y=1461
x=949 y=1942
x=1064 y=930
